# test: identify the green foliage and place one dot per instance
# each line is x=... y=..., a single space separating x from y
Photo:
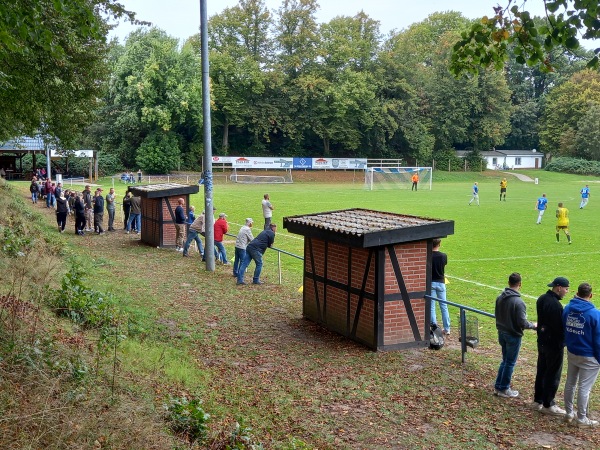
x=475 y=162
x=487 y=43
x=242 y=439
x=14 y=242
x=187 y=417
x=574 y=165
x=159 y=153
x=82 y=305
x=446 y=158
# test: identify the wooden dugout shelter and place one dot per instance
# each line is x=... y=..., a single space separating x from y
x=366 y=274
x=158 y=210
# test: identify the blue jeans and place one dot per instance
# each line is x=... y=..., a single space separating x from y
x=193 y=236
x=138 y=222
x=49 y=200
x=240 y=254
x=34 y=196
x=251 y=254
x=510 y=352
x=438 y=290
x=220 y=252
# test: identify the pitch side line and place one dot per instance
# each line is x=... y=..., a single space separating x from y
x=526 y=257
x=496 y=288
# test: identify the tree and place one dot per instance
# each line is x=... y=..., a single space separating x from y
x=52 y=63
x=587 y=139
x=488 y=41
x=565 y=106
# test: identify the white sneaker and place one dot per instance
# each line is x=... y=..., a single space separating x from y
x=585 y=422
x=553 y=410
x=535 y=406
x=508 y=393
x=569 y=417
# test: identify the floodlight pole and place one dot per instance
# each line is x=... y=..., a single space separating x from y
x=209 y=232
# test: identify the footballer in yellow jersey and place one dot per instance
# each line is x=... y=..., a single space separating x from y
x=503 y=185
x=562 y=223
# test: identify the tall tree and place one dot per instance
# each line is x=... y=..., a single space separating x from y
x=51 y=64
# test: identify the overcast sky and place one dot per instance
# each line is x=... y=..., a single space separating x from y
x=181 y=18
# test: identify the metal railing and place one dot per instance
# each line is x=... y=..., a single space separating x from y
x=463 y=320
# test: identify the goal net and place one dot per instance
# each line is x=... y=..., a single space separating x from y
x=397 y=177
x=285 y=177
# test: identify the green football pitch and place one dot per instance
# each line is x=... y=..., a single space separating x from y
x=489 y=242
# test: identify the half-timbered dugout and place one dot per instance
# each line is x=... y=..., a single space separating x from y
x=158 y=210
x=366 y=274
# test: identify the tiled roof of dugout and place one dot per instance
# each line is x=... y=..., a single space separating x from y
x=163 y=190
x=367 y=228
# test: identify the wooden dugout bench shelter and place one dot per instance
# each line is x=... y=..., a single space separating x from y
x=366 y=274
x=158 y=210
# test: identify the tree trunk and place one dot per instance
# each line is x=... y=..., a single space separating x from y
x=325 y=146
x=225 y=136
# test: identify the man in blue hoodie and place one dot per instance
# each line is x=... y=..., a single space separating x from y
x=511 y=320
x=581 y=320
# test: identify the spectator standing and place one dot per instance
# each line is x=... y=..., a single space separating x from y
x=244 y=237
x=126 y=208
x=62 y=209
x=194 y=231
x=267 y=210
x=415 y=181
x=180 y=224
x=79 y=207
x=58 y=190
x=135 y=215
x=475 y=192
x=191 y=214
x=585 y=196
x=49 y=193
x=111 y=209
x=139 y=173
x=220 y=228
x=438 y=284
x=98 y=211
x=562 y=222
x=581 y=321
x=35 y=190
x=511 y=320
x=89 y=207
x=550 y=344
x=254 y=252
x=540 y=207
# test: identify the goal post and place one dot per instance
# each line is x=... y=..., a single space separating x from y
x=285 y=177
x=378 y=178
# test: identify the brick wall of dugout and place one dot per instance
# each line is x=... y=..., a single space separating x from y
x=157 y=219
x=336 y=266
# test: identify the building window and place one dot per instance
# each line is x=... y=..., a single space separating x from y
x=517 y=161
x=494 y=161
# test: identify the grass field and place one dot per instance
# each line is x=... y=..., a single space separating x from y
x=248 y=353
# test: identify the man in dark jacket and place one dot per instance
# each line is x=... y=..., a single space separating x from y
x=180 y=224
x=550 y=341
x=254 y=251
x=98 y=211
x=511 y=320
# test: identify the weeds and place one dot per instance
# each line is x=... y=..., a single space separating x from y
x=187 y=417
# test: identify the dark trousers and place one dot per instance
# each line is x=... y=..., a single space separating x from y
x=547 y=378
x=125 y=217
x=79 y=222
x=61 y=219
x=98 y=219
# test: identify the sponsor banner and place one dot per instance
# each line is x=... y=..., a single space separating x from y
x=302 y=163
x=339 y=163
x=251 y=162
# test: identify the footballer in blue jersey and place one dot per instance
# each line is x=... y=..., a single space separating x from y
x=475 y=194
x=540 y=206
x=585 y=196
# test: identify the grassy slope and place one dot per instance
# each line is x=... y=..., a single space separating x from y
x=250 y=355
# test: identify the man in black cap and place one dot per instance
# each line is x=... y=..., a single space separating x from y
x=550 y=341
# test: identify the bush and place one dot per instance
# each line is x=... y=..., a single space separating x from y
x=82 y=305
x=159 y=153
x=187 y=417
x=574 y=165
x=445 y=157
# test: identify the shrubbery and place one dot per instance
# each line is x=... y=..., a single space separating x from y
x=574 y=165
